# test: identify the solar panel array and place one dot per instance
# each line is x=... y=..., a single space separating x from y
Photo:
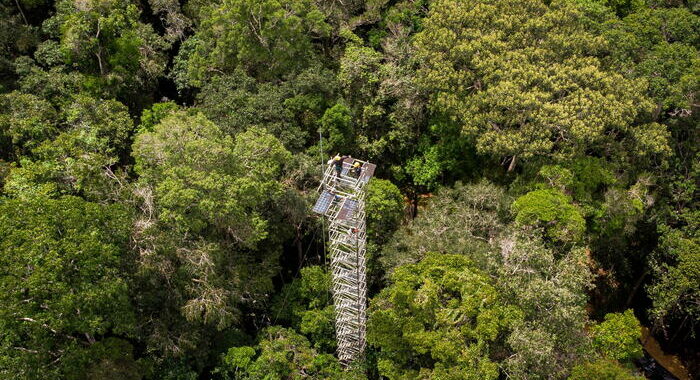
x=323 y=203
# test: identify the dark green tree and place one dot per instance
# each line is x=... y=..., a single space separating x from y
x=268 y=39
x=209 y=234
x=65 y=287
x=617 y=337
x=106 y=41
x=464 y=219
x=602 y=369
x=79 y=155
x=306 y=305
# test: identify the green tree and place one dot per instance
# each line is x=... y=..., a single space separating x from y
x=336 y=124
x=281 y=354
x=25 y=122
x=659 y=45
x=618 y=336
x=82 y=158
x=380 y=90
x=157 y=112
x=307 y=306
x=17 y=37
x=521 y=78
x=289 y=110
x=550 y=288
x=439 y=319
x=602 y=369
x=64 y=285
x=210 y=228
x=385 y=209
x=105 y=40
x=175 y=21
x=460 y=220
x=548 y=285
x=203 y=178
x=49 y=80
x=112 y=358
x=552 y=210
x=676 y=268
x=621 y=7
x=267 y=38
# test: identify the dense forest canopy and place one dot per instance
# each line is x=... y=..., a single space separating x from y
x=535 y=203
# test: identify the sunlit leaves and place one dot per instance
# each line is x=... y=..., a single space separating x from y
x=517 y=76
x=553 y=211
x=437 y=319
x=281 y=353
x=618 y=336
x=106 y=40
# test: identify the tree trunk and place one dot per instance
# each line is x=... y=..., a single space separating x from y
x=21 y=12
x=512 y=164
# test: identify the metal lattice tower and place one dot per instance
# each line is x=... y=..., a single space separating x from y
x=342 y=202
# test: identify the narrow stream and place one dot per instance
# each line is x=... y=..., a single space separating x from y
x=656 y=364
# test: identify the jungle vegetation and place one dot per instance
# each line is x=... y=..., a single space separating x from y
x=536 y=199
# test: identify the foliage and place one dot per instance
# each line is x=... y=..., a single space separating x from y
x=153 y=116
x=618 y=336
x=25 y=121
x=550 y=288
x=659 y=44
x=281 y=354
x=674 y=292
x=518 y=75
x=384 y=100
x=79 y=159
x=106 y=41
x=203 y=178
x=17 y=38
x=268 y=39
x=552 y=210
x=209 y=233
x=459 y=220
x=306 y=305
x=64 y=284
x=602 y=369
x=385 y=206
x=159 y=158
x=440 y=319
x=289 y=110
x=112 y=358
x=591 y=175
x=337 y=124
x=536 y=279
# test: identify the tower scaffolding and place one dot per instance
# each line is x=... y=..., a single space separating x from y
x=342 y=202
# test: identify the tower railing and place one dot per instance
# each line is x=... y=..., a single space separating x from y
x=342 y=202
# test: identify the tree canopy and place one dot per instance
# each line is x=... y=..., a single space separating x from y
x=533 y=211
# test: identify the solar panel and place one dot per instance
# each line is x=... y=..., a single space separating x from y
x=323 y=203
x=367 y=172
x=348 y=209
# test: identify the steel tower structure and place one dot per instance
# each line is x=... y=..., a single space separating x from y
x=342 y=202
